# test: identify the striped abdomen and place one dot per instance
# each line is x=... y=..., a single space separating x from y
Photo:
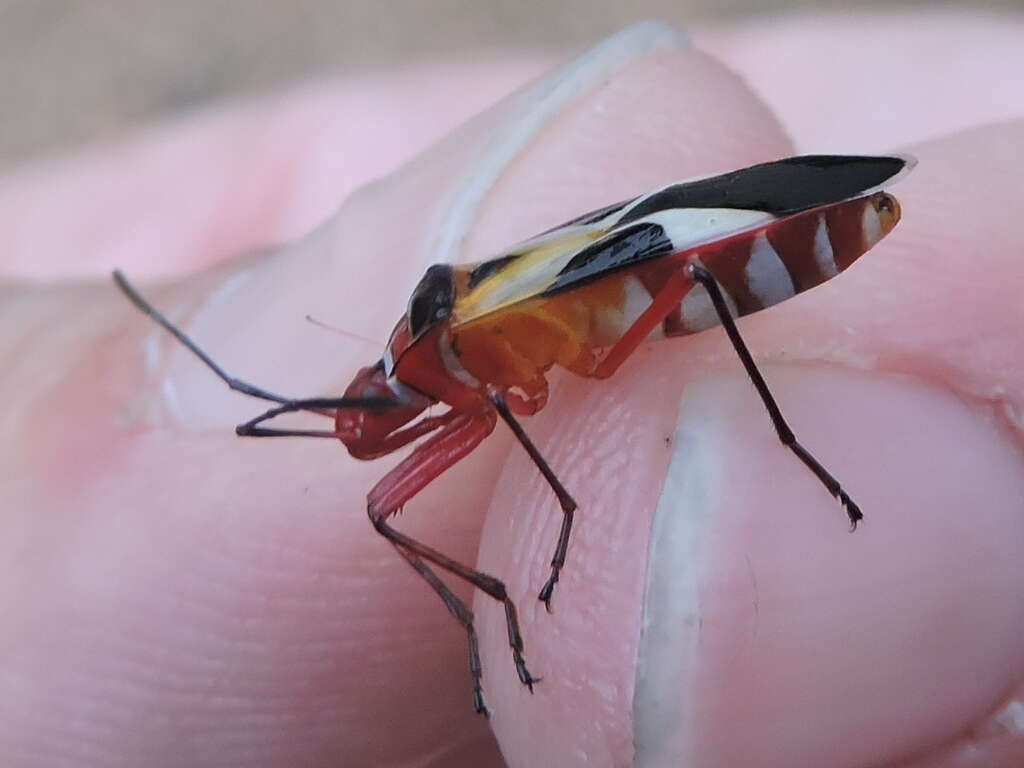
x=755 y=269
x=763 y=267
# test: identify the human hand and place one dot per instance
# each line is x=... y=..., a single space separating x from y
x=184 y=597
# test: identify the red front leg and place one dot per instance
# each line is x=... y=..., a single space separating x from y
x=460 y=435
x=456 y=438
x=400 y=438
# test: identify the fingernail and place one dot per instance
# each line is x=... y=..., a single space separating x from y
x=682 y=523
x=772 y=636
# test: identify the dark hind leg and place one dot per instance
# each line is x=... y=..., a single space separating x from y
x=704 y=277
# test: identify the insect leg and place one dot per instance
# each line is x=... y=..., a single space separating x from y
x=429 y=459
x=567 y=503
x=457 y=608
x=705 y=278
x=488 y=584
x=668 y=299
x=318 y=405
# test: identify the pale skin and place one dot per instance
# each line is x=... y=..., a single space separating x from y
x=174 y=595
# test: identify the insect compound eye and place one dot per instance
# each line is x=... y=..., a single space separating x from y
x=432 y=300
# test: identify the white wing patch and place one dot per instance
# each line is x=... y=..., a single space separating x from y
x=691 y=227
x=614 y=322
x=823 y=253
x=698 y=311
x=768 y=278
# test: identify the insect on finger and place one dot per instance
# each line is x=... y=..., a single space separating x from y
x=481 y=338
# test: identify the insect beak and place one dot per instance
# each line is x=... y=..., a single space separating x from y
x=363 y=429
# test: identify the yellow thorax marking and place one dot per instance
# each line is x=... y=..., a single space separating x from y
x=527 y=276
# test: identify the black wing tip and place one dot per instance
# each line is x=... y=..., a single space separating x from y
x=889 y=166
x=780 y=187
x=831 y=161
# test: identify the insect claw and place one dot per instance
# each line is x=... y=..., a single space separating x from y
x=547 y=591
x=852 y=510
x=524 y=674
x=479 y=705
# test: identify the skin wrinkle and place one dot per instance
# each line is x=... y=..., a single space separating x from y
x=993 y=407
x=972 y=746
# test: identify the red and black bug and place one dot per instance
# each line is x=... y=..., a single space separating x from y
x=481 y=338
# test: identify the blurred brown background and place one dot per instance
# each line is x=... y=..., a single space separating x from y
x=77 y=71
